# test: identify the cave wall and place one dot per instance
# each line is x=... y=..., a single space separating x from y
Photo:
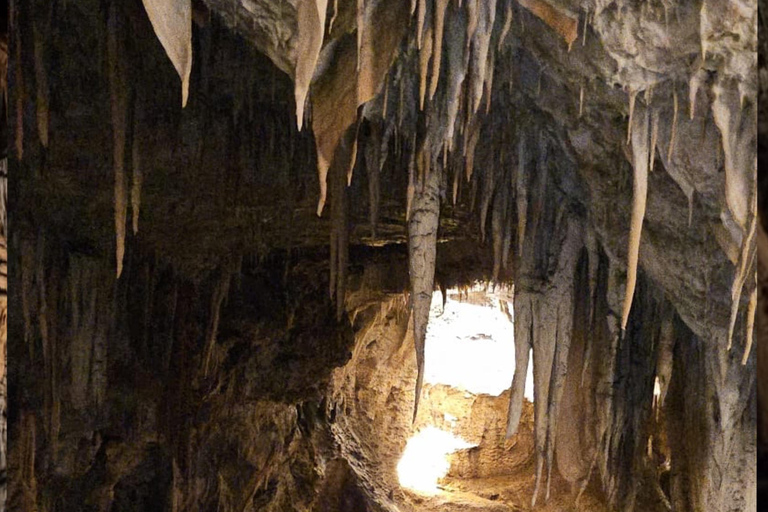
x=136 y=219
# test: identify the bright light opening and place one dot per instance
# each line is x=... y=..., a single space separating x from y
x=471 y=346
x=425 y=460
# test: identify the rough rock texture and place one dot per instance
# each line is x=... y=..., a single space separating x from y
x=531 y=116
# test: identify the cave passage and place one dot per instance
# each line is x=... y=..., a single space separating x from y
x=470 y=342
x=469 y=352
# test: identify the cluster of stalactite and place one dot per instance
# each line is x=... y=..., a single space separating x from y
x=90 y=341
x=430 y=94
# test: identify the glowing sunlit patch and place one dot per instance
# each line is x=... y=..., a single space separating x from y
x=425 y=459
x=471 y=347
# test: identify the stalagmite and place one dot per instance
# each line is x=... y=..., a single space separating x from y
x=172 y=22
x=311 y=25
x=640 y=191
x=118 y=93
x=440 y=7
x=41 y=78
x=422 y=250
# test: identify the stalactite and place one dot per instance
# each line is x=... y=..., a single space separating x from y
x=500 y=231
x=373 y=155
x=421 y=17
x=746 y=257
x=27 y=275
x=339 y=230
x=480 y=50
x=564 y=24
x=411 y=186
x=311 y=26
x=422 y=249
x=581 y=100
x=524 y=325
x=632 y=97
x=521 y=193
x=385 y=101
x=751 y=311
x=118 y=92
x=488 y=86
x=19 y=85
x=664 y=363
x=738 y=131
x=584 y=27
x=507 y=25
x=457 y=62
x=674 y=126
x=485 y=201
x=353 y=160
x=220 y=292
x=440 y=7
x=640 y=191
x=472 y=17
x=697 y=79
x=540 y=193
x=473 y=136
x=28 y=448
x=654 y=137
x=424 y=55
x=41 y=79
x=360 y=15
x=172 y=22
x=593 y=259
x=136 y=174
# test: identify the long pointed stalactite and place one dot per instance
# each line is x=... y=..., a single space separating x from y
x=172 y=22
x=422 y=253
x=468 y=102
x=118 y=87
x=640 y=159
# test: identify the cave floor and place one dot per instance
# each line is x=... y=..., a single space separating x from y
x=511 y=493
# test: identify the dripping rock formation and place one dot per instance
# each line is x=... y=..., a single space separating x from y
x=301 y=176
